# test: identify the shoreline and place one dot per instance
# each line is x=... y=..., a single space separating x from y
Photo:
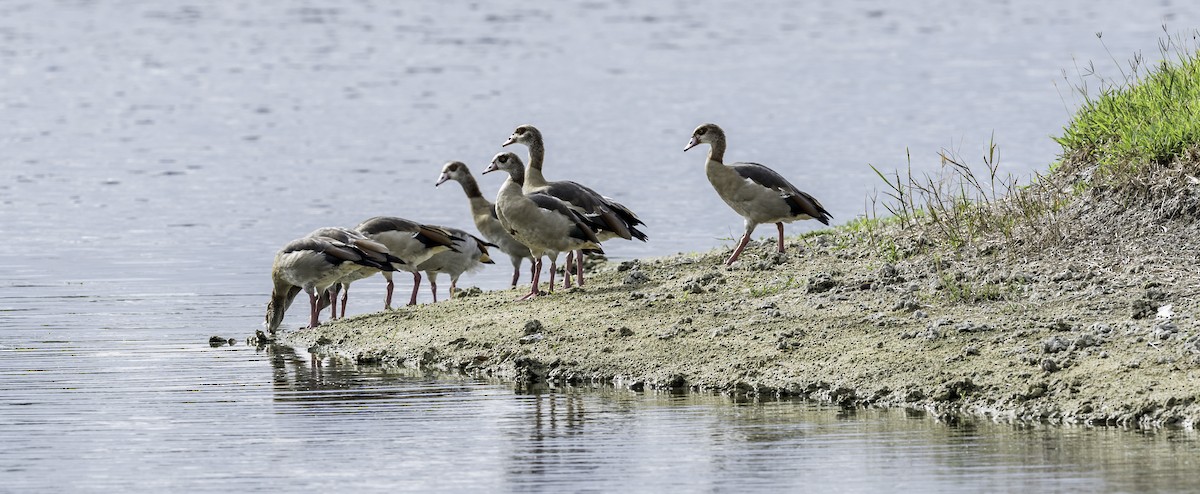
x=1076 y=335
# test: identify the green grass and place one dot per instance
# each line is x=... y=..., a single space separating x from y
x=1151 y=117
x=1126 y=133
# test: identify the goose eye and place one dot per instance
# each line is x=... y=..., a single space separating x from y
x=701 y=132
x=503 y=159
x=520 y=132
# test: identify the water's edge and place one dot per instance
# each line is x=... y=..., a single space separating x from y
x=846 y=338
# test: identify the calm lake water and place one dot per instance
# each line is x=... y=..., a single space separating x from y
x=156 y=154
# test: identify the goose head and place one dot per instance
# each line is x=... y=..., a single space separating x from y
x=274 y=318
x=506 y=162
x=705 y=134
x=525 y=134
x=453 y=170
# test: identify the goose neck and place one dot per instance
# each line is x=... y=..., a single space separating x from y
x=470 y=187
x=716 y=151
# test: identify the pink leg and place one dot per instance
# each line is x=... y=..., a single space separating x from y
x=333 y=296
x=313 y=319
x=579 y=269
x=333 y=308
x=779 y=225
x=453 y=286
x=537 y=271
x=568 y=268
x=416 y=284
x=345 y=298
x=387 y=304
x=553 y=271
x=433 y=285
x=516 y=274
x=742 y=244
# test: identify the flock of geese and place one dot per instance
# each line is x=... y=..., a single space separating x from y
x=532 y=218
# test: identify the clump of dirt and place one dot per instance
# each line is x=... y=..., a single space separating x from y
x=1099 y=326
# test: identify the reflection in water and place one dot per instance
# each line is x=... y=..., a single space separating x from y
x=315 y=381
x=609 y=439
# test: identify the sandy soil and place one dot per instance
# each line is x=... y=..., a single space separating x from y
x=1099 y=328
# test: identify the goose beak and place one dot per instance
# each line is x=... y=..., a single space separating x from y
x=445 y=176
x=491 y=168
x=511 y=139
x=692 y=143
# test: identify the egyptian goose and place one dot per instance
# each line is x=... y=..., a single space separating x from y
x=374 y=250
x=484 y=214
x=468 y=254
x=754 y=191
x=311 y=264
x=612 y=218
x=542 y=222
x=413 y=242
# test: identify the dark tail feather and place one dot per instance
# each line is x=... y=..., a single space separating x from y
x=638 y=234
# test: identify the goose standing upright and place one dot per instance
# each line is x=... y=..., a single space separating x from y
x=484 y=214
x=754 y=191
x=540 y=221
x=413 y=242
x=467 y=254
x=311 y=264
x=612 y=219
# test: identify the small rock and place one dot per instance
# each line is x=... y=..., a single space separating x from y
x=531 y=338
x=906 y=304
x=789 y=339
x=624 y=331
x=1165 y=330
x=668 y=333
x=1049 y=365
x=693 y=287
x=533 y=326
x=1085 y=340
x=473 y=291
x=216 y=341
x=676 y=381
x=259 y=339
x=1141 y=308
x=970 y=350
x=919 y=314
x=888 y=273
x=970 y=327
x=627 y=265
x=1165 y=312
x=1035 y=391
x=1054 y=344
x=821 y=282
x=635 y=277
x=723 y=330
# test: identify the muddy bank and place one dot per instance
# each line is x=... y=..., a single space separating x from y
x=1102 y=332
